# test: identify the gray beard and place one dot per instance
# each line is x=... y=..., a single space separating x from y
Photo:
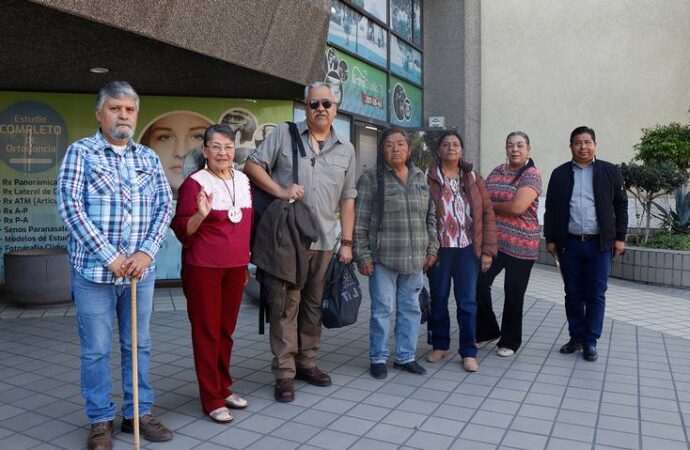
x=121 y=133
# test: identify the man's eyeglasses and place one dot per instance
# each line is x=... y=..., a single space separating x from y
x=314 y=104
x=217 y=149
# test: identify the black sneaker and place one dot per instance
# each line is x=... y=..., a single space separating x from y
x=412 y=367
x=378 y=370
x=570 y=347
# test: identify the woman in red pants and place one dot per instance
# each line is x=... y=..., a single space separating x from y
x=213 y=221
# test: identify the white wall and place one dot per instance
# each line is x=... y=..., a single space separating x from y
x=548 y=66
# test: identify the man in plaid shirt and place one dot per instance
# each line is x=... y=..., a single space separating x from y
x=116 y=202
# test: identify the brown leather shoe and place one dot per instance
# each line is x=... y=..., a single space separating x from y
x=100 y=436
x=150 y=428
x=313 y=376
x=285 y=390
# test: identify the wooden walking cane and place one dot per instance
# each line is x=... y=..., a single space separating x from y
x=135 y=365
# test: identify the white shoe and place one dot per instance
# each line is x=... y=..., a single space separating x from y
x=221 y=415
x=234 y=401
x=505 y=352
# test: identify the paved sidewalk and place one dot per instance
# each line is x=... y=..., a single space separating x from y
x=636 y=396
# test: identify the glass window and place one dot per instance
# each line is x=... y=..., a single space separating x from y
x=401 y=18
x=376 y=8
x=417 y=22
x=371 y=41
x=342 y=30
x=406 y=61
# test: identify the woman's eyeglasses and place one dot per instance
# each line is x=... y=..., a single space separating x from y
x=217 y=149
x=314 y=104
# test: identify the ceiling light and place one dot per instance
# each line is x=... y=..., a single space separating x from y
x=99 y=70
x=371 y=128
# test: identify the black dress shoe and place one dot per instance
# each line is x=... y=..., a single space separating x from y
x=412 y=367
x=378 y=370
x=571 y=347
x=589 y=353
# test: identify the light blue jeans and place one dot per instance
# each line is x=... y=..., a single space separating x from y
x=95 y=304
x=388 y=288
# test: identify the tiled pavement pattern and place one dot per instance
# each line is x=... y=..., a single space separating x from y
x=636 y=396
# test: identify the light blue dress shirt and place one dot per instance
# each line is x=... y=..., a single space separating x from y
x=583 y=213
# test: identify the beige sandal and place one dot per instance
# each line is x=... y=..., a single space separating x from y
x=234 y=401
x=470 y=364
x=221 y=415
x=437 y=355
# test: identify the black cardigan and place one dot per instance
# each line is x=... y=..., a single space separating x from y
x=610 y=200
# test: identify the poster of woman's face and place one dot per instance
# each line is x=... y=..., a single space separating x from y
x=172 y=135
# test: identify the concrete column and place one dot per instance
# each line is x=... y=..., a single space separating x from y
x=452 y=68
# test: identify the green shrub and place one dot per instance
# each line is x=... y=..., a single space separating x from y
x=665 y=143
x=668 y=241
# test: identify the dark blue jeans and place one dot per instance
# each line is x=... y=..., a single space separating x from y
x=460 y=265
x=585 y=270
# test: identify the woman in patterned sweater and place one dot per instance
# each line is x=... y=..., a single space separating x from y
x=515 y=188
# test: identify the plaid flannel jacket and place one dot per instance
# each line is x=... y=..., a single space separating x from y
x=103 y=219
x=408 y=229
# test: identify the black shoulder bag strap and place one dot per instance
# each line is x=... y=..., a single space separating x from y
x=297 y=146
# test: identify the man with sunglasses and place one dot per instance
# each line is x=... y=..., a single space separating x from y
x=326 y=185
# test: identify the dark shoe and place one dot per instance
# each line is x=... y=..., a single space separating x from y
x=313 y=376
x=589 y=353
x=284 y=390
x=150 y=428
x=378 y=370
x=100 y=436
x=571 y=347
x=412 y=367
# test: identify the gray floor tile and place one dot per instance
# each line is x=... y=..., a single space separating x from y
x=404 y=419
x=664 y=431
x=390 y=433
x=530 y=441
x=653 y=443
x=573 y=432
x=332 y=440
x=566 y=444
x=618 y=439
x=439 y=425
x=531 y=425
x=429 y=441
x=236 y=437
x=490 y=418
x=371 y=444
x=619 y=424
x=482 y=433
x=18 y=442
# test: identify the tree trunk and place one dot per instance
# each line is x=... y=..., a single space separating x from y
x=648 y=220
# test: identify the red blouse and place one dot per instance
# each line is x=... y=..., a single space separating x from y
x=217 y=242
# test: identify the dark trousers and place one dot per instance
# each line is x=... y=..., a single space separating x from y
x=214 y=296
x=585 y=270
x=514 y=287
x=460 y=265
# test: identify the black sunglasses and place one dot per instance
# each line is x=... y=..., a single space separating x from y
x=314 y=104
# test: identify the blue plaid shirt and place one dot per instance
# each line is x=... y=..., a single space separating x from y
x=92 y=196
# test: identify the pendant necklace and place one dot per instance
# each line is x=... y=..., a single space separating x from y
x=234 y=212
